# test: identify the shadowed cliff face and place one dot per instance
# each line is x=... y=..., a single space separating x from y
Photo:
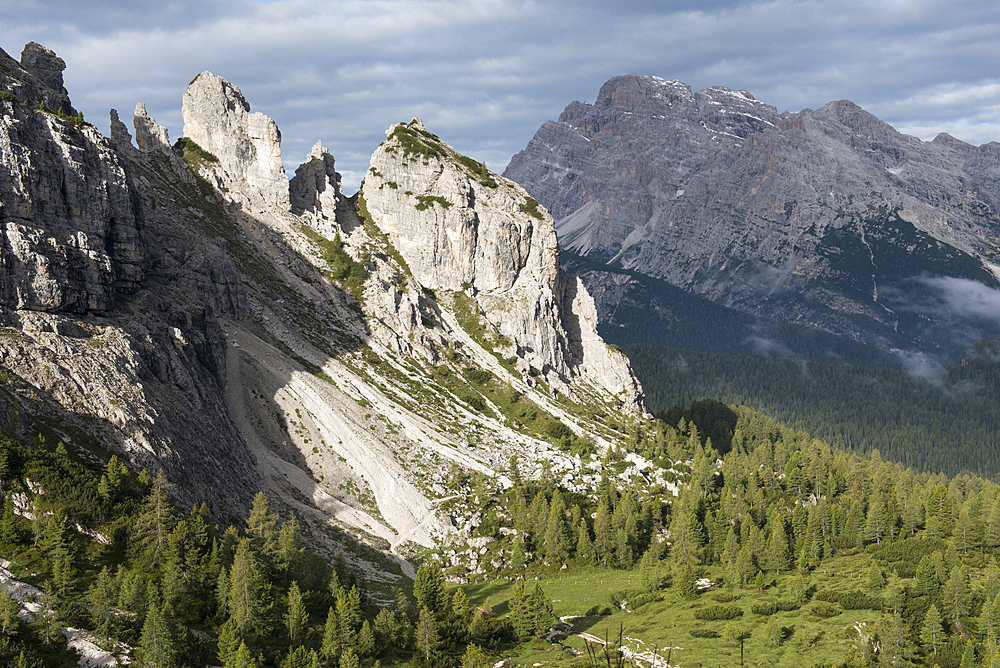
x=821 y=217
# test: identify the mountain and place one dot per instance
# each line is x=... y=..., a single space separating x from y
x=189 y=308
x=827 y=218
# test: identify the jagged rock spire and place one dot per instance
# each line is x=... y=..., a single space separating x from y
x=248 y=145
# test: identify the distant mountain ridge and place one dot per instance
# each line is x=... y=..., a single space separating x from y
x=828 y=218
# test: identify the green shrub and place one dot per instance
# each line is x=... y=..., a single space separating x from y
x=195 y=156
x=530 y=207
x=825 y=610
x=704 y=633
x=858 y=600
x=714 y=612
x=478 y=170
x=427 y=201
x=478 y=376
x=828 y=595
x=767 y=608
x=725 y=597
x=787 y=604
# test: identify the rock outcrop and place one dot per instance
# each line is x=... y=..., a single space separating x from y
x=315 y=190
x=819 y=217
x=462 y=229
x=248 y=145
x=149 y=135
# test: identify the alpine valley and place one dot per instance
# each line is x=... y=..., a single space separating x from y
x=250 y=420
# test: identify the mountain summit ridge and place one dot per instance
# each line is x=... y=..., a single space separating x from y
x=718 y=193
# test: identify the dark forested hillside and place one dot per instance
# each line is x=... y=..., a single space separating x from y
x=943 y=420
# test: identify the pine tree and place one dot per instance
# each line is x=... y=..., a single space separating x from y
x=931 y=632
x=604 y=542
x=474 y=657
x=8 y=524
x=520 y=613
x=242 y=657
x=366 y=640
x=896 y=648
x=330 y=646
x=584 y=546
x=348 y=616
x=460 y=603
x=101 y=598
x=9 y=609
x=955 y=595
x=428 y=588
x=687 y=583
x=540 y=607
x=926 y=579
x=289 y=550
x=229 y=642
x=876 y=581
x=247 y=593
x=261 y=523
x=773 y=632
x=556 y=541
x=427 y=638
x=518 y=559
x=155 y=521
x=349 y=659
x=158 y=644
x=296 y=619
x=649 y=567
x=777 y=542
x=623 y=556
x=969 y=655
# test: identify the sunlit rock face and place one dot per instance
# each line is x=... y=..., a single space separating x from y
x=460 y=228
x=248 y=145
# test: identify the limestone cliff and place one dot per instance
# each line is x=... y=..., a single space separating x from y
x=109 y=311
x=460 y=228
x=248 y=145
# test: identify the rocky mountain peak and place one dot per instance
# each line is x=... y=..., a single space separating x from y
x=315 y=190
x=248 y=145
x=42 y=63
x=461 y=228
x=719 y=194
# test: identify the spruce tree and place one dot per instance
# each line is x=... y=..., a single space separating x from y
x=931 y=631
x=428 y=588
x=296 y=617
x=427 y=639
x=246 y=593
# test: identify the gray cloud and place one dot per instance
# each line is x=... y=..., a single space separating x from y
x=960 y=298
x=484 y=74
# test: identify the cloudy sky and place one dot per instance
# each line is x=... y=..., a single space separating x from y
x=484 y=74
